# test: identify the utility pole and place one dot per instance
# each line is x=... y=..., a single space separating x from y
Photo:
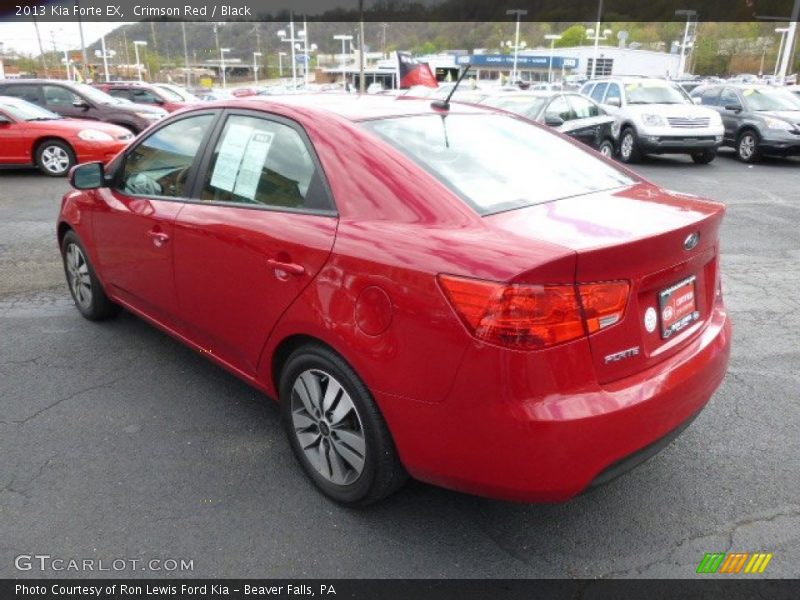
x=362 y=84
x=789 y=45
x=127 y=55
x=597 y=37
x=188 y=79
x=41 y=48
x=85 y=69
x=519 y=13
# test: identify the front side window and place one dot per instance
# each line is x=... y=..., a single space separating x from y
x=729 y=98
x=145 y=97
x=559 y=108
x=598 y=92
x=159 y=165
x=525 y=105
x=57 y=96
x=583 y=107
x=497 y=162
x=262 y=162
x=613 y=93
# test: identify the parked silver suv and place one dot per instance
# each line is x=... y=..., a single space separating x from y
x=655 y=116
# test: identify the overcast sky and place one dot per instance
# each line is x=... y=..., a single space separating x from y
x=22 y=36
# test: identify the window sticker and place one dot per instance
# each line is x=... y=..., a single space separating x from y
x=253 y=163
x=748 y=92
x=230 y=156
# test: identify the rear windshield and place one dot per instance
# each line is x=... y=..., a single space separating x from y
x=498 y=162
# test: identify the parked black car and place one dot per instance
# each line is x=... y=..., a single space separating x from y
x=758 y=119
x=570 y=113
x=81 y=101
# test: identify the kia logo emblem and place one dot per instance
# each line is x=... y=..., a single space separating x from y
x=691 y=241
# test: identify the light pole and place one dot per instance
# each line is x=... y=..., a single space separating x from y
x=786 y=57
x=689 y=14
x=222 y=52
x=783 y=31
x=519 y=13
x=255 y=67
x=280 y=63
x=105 y=57
x=136 y=44
x=343 y=38
x=2 y=67
x=187 y=80
x=595 y=34
x=553 y=39
x=291 y=41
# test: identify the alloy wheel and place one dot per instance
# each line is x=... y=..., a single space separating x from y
x=747 y=146
x=55 y=159
x=328 y=427
x=80 y=282
x=626 y=149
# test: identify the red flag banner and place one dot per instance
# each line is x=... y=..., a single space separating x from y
x=411 y=72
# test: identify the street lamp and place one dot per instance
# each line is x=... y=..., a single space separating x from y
x=136 y=45
x=343 y=39
x=553 y=39
x=689 y=14
x=519 y=13
x=291 y=40
x=222 y=52
x=255 y=67
x=597 y=36
x=783 y=31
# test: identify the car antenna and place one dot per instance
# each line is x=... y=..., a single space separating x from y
x=445 y=104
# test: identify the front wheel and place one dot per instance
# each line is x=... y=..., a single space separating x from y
x=606 y=148
x=629 y=147
x=704 y=157
x=87 y=292
x=55 y=158
x=336 y=430
x=747 y=147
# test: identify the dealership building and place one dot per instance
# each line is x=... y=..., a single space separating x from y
x=534 y=65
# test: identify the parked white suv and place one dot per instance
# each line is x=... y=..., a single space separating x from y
x=655 y=116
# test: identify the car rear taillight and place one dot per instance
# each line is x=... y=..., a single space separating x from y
x=603 y=303
x=530 y=317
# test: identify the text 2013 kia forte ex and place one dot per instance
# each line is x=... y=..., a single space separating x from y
x=446 y=292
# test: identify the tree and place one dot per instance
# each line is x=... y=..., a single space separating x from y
x=572 y=36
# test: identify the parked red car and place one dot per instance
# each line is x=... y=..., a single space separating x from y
x=460 y=295
x=30 y=135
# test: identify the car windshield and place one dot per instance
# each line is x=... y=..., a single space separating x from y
x=25 y=111
x=498 y=162
x=527 y=106
x=766 y=99
x=170 y=94
x=94 y=94
x=654 y=92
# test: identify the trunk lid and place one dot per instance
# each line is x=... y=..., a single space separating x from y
x=646 y=236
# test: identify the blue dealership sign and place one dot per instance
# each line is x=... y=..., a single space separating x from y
x=506 y=61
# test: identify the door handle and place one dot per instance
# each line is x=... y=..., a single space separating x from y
x=286 y=267
x=159 y=238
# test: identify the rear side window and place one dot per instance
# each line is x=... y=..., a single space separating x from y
x=497 y=162
x=729 y=98
x=119 y=93
x=598 y=91
x=159 y=165
x=29 y=93
x=560 y=108
x=260 y=162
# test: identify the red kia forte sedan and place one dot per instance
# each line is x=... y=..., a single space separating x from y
x=30 y=135
x=459 y=295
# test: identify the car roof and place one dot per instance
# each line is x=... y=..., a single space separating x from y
x=351 y=106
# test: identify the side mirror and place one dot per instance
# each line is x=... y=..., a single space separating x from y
x=553 y=121
x=733 y=108
x=80 y=103
x=614 y=102
x=88 y=176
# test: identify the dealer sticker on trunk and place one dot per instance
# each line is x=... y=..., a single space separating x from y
x=678 y=307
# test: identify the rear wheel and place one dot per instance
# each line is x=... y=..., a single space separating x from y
x=629 y=147
x=335 y=429
x=704 y=157
x=606 y=148
x=747 y=146
x=55 y=158
x=87 y=293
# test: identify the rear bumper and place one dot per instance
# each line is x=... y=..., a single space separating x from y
x=538 y=428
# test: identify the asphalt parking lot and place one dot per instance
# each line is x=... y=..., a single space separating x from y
x=118 y=442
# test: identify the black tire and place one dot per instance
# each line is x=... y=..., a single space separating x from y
x=55 y=158
x=99 y=306
x=606 y=148
x=381 y=472
x=747 y=149
x=629 y=151
x=704 y=157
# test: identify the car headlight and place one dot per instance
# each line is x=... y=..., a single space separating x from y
x=653 y=120
x=93 y=135
x=149 y=116
x=778 y=124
